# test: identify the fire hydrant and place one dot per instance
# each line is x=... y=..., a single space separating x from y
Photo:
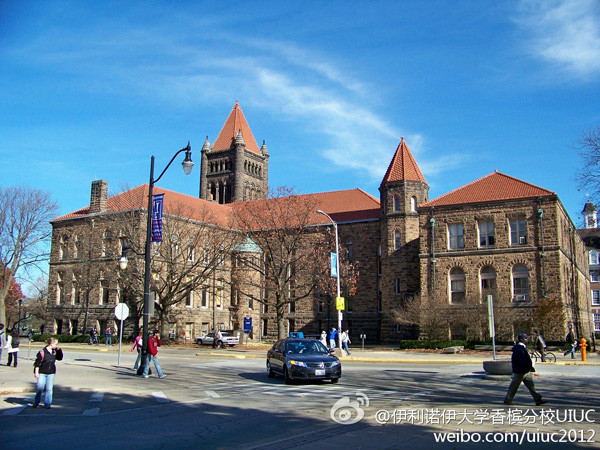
x=583 y=347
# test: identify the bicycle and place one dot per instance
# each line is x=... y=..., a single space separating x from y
x=548 y=356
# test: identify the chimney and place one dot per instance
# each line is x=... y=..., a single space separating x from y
x=98 y=196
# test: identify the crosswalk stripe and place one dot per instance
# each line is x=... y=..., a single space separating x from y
x=91 y=412
x=97 y=397
x=212 y=394
x=160 y=397
x=14 y=410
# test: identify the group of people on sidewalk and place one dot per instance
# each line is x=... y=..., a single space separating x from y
x=333 y=337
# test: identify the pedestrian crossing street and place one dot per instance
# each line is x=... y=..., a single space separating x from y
x=77 y=403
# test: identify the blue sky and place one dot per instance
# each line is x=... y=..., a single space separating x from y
x=90 y=90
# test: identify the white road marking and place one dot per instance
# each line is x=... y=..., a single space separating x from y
x=212 y=394
x=14 y=410
x=91 y=412
x=160 y=397
x=97 y=397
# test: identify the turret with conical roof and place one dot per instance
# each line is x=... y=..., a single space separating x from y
x=402 y=189
x=234 y=168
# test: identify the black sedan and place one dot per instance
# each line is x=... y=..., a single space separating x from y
x=302 y=359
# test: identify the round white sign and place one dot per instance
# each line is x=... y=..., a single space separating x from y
x=121 y=311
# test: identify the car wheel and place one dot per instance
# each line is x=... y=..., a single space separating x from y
x=334 y=380
x=270 y=372
x=286 y=376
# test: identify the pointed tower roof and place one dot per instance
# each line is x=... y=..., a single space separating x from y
x=493 y=187
x=403 y=166
x=235 y=123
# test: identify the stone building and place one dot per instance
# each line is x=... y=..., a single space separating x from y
x=497 y=236
x=591 y=237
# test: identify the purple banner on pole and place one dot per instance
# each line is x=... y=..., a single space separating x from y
x=157 y=212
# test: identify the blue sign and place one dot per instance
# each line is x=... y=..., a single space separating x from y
x=157 y=212
x=247 y=324
x=334 y=265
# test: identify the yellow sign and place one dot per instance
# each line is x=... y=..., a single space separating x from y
x=340 y=303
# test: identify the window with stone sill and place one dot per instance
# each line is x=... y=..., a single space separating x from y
x=520 y=276
x=396 y=204
x=595 y=275
x=518 y=231
x=457 y=286
x=456 y=238
x=596 y=322
x=488 y=278
x=594 y=257
x=596 y=297
x=487 y=236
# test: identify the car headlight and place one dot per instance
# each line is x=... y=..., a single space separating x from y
x=335 y=363
x=297 y=363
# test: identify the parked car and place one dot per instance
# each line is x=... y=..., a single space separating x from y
x=302 y=359
x=226 y=339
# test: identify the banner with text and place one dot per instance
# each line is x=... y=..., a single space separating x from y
x=157 y=212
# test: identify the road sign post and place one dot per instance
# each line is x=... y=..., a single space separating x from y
x=490 y=300
x=121 y=312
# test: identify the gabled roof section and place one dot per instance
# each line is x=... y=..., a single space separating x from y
x=234 y=123
x=493 y=187
x=174 y=203
x=352 y=205
x=403 y=166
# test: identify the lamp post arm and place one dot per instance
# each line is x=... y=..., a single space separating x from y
x=186 y=149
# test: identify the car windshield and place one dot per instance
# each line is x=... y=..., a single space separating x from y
x=305 y=348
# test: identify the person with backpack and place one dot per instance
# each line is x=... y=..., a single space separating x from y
x=12 y=345
x=44 y=369
x=571 y=342
x=137 y=345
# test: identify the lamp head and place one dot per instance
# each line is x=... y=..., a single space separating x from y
x=123 y=262
x=187 y=163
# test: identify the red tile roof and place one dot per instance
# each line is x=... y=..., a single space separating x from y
x=174 y=203
x=343 y=206
x=235 y=122
x=403 y=166
x=493 y=187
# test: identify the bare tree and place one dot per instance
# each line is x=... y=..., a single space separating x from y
x=24 y=235
x=589 y=174
x=295 y=255
x=192 y=250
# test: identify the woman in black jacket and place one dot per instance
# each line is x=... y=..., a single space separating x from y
x=44 y=369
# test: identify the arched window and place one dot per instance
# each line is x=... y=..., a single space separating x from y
x=594 y=260
x=488 y=278
x=457 y=285
x=520 y=277
x=396 y=203
x=397 y=241
x=413 y=204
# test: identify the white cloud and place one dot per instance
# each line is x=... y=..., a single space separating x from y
x=564 y=32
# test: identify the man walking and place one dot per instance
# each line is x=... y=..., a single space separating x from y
x=522 y=368
x=539 y=344
x=153 y=344
x=108 y=335
x=346 y=341
x=571 y=342
x=333 y=334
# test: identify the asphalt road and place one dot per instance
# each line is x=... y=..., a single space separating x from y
x=218 y=403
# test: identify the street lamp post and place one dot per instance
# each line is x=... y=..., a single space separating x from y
x=337 y=270
x=187 y=165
